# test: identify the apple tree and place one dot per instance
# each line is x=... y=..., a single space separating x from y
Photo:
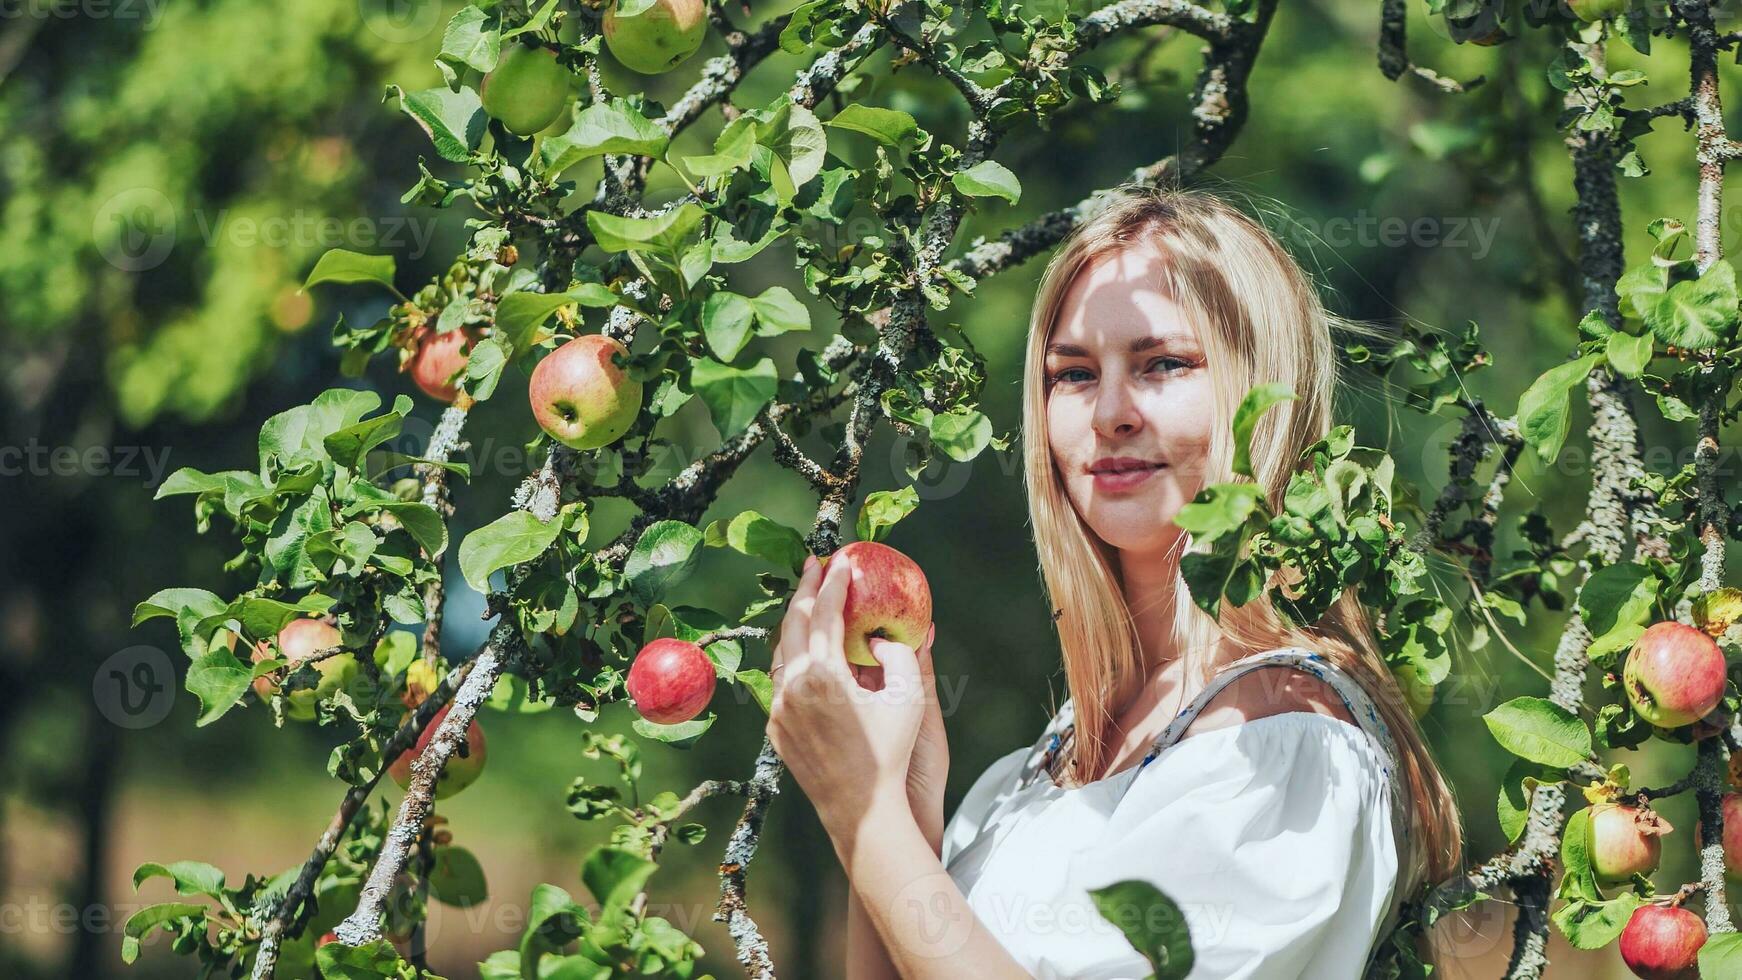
x=624 y=310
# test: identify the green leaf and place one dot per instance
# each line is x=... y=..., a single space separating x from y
x=1697 y=312
x=421 y=522
x=1152 y=922
x=891 y=127
x=962 y=435
x=733 y=395
x=219 y=680
x=141 y=923
x=778 y=311
x=454 y=121
x=471 y=39
x=376 y=961
x=484 y=366
x=509 y=540
x=1516 y=788
x=882 y=510
x=350 y=445
x=1257 y=401
x=759 y=684
x=170 y=602
x=664 y=234
x=1219 y=509
x=726 y=321
x=732 y=150
x=1594 y=925
x=615 y=876
x=457 y=878
x=1543 y=408
x=1629 y=354
x=520 y=314
x=1616 y=602
x=663 y=555
x=988 y=178
x=190 y=877
x=1540 y=731
x=601 y=128
x=795 y=137
x=679 y=736
x=760 y=537
x=345 y=266
x=1721 y=956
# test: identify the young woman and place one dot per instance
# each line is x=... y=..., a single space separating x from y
x=1269 y=780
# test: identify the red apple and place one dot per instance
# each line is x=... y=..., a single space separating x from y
x=527 y=90
x=464 y=766
x=1674 y=675
x=439 y=357
x=1625 y=840
x=299 y=640
x=1662 y=943
x=580 y=398
x=659 y=38
x=1732 y=804
x=330 y=937
x=671 y=681
x=887 y=596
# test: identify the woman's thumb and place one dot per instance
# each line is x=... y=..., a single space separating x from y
x=900 y=666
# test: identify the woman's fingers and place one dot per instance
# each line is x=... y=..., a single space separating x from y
x=795 y=624
x=827 y=626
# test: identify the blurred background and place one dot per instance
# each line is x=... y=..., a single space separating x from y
x=170 y=170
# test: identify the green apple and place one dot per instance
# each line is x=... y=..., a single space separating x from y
x=659 y=38
x=527 y=90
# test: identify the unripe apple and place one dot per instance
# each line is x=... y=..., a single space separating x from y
x=439 y=357
x=887 y=596
x=1663 y=943
x=671 y=681
x=527 y=90
x=580 y=398
x=659 y=38
x=1625 y=840
x=464 y=766
x=1591 y=11
x=1674 y=675
x=299 y=640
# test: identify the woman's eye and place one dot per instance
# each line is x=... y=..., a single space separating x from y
x=1173 y=363
x=1064 y=375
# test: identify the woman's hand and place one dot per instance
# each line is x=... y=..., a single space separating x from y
x=849 y=746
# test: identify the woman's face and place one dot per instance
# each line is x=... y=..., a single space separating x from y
x=1129 y=401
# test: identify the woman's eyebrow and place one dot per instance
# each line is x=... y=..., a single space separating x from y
x=1137 y=346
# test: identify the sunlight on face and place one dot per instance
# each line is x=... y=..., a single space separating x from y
x=1126 y=377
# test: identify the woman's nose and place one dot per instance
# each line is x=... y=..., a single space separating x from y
x=1116 y=411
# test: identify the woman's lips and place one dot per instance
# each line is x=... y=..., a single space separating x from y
x=1118 y=482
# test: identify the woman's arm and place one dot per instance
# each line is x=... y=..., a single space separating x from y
x=867 y=958
x=850 y=748
x=926 y=928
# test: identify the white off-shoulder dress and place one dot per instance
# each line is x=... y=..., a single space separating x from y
x=1279 y=838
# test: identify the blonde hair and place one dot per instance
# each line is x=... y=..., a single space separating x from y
x=1260 y=320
